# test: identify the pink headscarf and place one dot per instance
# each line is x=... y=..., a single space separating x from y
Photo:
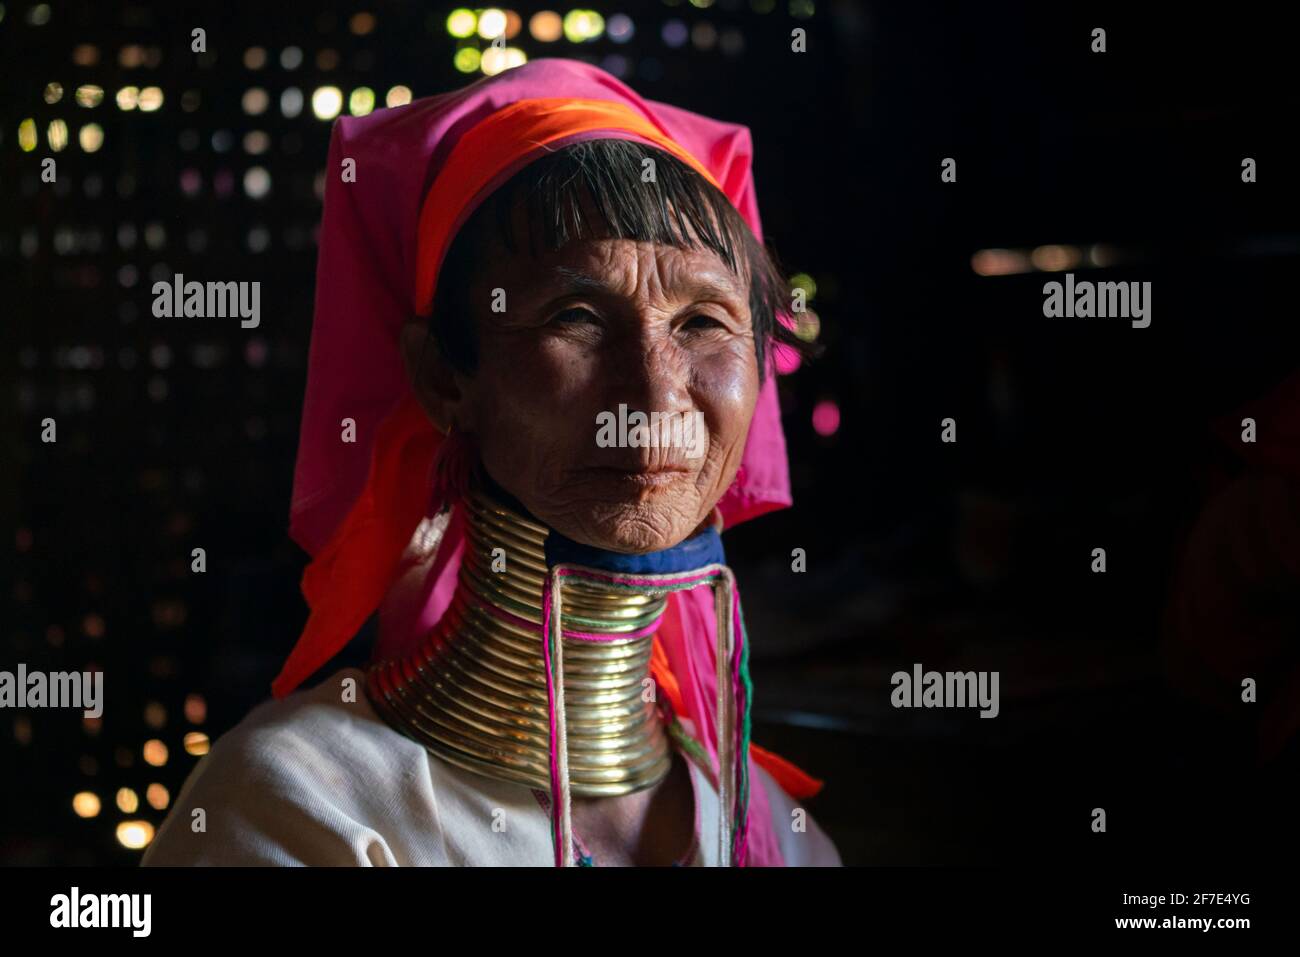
x=366 y=288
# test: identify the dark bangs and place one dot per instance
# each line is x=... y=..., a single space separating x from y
x=595 y=190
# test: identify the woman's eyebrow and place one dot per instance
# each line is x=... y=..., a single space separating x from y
x=575 y=280
x=699 y=284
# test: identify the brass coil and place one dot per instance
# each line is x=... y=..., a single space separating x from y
x=474 y=692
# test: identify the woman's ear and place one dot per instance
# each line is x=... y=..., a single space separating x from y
x=432 y=379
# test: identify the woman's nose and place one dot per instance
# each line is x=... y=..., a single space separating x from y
x=651 y=376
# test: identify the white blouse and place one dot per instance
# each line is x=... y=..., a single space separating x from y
x=319 y=779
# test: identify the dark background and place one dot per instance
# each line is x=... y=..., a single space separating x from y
x=1072 y=434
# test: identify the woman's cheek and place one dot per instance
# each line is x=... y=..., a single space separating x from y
x=533 y=413
x=726 y=391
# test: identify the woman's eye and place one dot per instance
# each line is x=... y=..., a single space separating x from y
x=702 y=322
x=574 y=317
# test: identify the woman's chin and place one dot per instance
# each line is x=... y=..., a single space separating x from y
x=632 y=529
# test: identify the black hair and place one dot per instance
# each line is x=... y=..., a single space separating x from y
x=595 y=190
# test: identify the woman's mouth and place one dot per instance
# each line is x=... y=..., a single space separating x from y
x=646 y=478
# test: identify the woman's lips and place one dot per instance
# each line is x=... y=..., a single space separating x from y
x=647 y=478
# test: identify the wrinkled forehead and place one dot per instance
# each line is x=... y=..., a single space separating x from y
x=631 y=269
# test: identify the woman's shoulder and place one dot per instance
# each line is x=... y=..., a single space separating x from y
x=316 y=736
x=302 y=780
x=333 y=720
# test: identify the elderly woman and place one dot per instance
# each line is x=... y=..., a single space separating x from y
x=561 y=674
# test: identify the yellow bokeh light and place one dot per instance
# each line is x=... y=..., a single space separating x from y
x=128 y=802
x=362 y=101
x=53 y=92
x=128 y=98
x=805 y=282
x=546 y=26
x=57 y=134
x=155 y=753
x=85 y=804
x=807 y=326
x=491 y=23
x=134 y=835
x=398 y=96
x=583 y=25
x=196 y=743
x=326 y=102
x=89 y=95
x=466 y=59
x=1054 y=258
x=461 y=23
x=157 y=796
x=494 y=61
x=27 y=135
x=91 y=137
x=151 y=98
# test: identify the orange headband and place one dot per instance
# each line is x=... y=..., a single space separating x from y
x=495 y=145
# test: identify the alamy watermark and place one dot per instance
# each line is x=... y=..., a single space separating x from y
x=946 y=689
x=75 y=909
x=54 y=689
x=655 y=430
x=1087 y=299
x=212 y=300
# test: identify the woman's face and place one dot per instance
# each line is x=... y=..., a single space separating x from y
x=595 y=326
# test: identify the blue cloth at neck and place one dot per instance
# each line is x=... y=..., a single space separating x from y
x=697 y=551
